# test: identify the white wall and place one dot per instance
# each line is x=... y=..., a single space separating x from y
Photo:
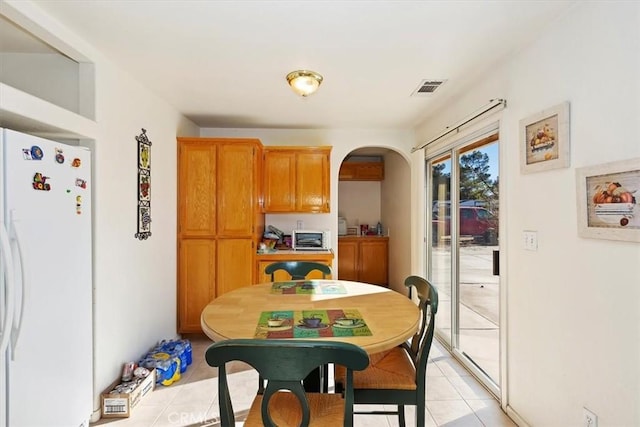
x=135 y=281
x=359 y=202
x=51 y=77
x=396 y=217
x=573 y=307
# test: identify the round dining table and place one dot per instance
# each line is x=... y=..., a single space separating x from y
x=390 y=316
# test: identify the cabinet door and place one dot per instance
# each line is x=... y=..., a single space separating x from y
x=235 y=264
x=196 y=285
x=347 y=171
x=312 y=181
x=279 y=181
x=348 y=260
x=197 y=189
x=370 y=171
x=237 y=198
x=374 y=262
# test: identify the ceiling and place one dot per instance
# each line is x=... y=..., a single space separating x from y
x=223 y=63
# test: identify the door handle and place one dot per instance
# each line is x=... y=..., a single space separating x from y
x=496 y=263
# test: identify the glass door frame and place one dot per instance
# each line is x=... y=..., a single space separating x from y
x=453 y=151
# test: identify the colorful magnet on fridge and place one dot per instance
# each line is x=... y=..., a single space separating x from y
x=36 y=153
x=78 y=205
x=40 y=182
x=81 y=183
x=59 y=156
x=26 y=153
x=76 y=163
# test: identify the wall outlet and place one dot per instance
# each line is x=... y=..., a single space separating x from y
x=589 y=418
x=530 y=242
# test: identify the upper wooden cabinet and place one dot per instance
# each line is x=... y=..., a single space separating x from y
x=218 y=187
x=197 y=189
x=361 y=171
x=296 y=179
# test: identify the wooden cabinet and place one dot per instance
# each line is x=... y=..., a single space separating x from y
x=263 y=260
x=361 y=171
x=220 y=221
x=364 y=259
x=296 y=179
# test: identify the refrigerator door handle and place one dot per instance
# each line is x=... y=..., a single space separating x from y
x=22 y=287
x=9 y=284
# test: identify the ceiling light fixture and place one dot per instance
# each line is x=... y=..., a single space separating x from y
x=304 y=82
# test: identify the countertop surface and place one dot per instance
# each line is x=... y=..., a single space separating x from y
x=368 y=236
x=290 y=252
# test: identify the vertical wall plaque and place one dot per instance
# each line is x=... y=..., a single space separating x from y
x=144 y=186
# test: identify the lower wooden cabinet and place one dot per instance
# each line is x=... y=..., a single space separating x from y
x=263 y=260
x=364 y=259
x=207 y=269
x=197 y=273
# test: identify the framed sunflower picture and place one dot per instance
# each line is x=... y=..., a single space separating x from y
x=544 y=140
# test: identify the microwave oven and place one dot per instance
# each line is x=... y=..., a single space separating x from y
x=311 y=240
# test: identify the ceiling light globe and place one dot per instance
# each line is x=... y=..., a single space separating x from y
x=304 y=82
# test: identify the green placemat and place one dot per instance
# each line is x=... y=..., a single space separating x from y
x=312 y=324
x=308 y=287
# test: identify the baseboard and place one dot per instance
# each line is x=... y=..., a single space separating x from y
x=516 y=417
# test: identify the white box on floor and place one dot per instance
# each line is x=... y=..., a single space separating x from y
x=120 y=405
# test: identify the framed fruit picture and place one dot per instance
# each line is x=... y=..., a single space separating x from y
x=544 y=140
x=608 y=200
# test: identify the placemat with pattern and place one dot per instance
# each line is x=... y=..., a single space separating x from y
x=329 y=323
x=308 y=287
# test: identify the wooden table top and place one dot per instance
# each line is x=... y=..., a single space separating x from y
x=392 y=317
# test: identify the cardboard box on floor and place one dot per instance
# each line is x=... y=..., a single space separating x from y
x=120 y=405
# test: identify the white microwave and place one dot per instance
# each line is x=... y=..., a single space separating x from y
x=311 y=240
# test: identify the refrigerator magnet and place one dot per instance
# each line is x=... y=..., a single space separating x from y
x=59 y=155
x=40 y=182
x=81 y=183
x=76 y=163
x=36 y=153
x=78 y=205
x=26 y=154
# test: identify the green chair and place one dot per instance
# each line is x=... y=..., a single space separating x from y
x=284 y=364
x=398 y=376
x=298 y=269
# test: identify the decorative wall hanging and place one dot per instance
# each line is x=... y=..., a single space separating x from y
x=608 y=201
x=544 y=140
x=144 y=186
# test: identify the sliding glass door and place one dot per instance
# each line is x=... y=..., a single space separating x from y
x=463 y=214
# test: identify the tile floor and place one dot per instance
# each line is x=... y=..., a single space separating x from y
x=454 y=398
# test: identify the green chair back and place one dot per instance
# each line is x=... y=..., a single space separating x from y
x=418 y=350
x=422 y=340
x=298 y=269
x=283 y=364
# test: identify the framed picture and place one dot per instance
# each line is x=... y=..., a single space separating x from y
x=608 y=199
x=544 y=140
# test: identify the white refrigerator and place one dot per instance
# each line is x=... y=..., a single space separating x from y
x=46 y=349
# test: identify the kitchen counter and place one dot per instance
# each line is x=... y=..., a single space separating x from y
x=361 y=238
x=287 y=253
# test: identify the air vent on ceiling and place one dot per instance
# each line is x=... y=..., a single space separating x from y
x=427 y=87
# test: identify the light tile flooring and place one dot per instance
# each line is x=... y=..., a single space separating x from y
x=454 y=398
